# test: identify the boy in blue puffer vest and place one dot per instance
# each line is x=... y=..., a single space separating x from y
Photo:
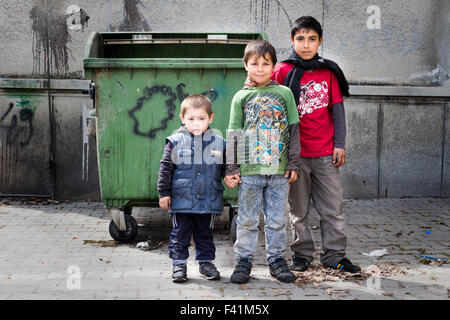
x=190 y=186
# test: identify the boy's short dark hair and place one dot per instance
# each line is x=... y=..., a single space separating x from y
x=261 y=48
x=307 y=23
x=196 y=101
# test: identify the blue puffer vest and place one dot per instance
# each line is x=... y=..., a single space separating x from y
x=197 y=179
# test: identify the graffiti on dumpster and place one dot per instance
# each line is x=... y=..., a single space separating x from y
x=13 y=130
x=211 y=93
x=169 y=103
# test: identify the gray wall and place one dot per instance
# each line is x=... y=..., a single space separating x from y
x=409 y=48
x=397 y=140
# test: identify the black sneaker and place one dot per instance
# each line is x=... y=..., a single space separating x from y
x=179 y=273
x=241 y=273
x=280 y=270
x=209 y=271
x=346 y=265
x=299 y=264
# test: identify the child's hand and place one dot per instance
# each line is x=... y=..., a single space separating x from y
x=232 y=181
x=338 y=157
x=292 y=174
x=249 y=82
x=165 y=202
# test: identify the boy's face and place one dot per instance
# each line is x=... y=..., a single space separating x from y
x=306 y=43
x=259 y=69
x=196 y=120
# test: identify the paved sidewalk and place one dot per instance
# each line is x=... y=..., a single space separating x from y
x=64 y=251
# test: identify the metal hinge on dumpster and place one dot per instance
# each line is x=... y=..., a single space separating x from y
x=88 y=127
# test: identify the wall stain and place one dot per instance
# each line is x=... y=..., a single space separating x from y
x=58 y=36
x=132 y=19
x=260 y=10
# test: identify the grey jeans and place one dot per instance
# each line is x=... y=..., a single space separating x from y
x=267 y=193
x=321 y=182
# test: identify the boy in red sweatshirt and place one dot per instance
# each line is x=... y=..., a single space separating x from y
x=318 y=85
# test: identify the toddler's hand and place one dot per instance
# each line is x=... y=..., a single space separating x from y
x=232 y=181
x=292 y=174
x=165 y=202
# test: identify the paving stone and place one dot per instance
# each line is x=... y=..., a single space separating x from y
x=40 y=243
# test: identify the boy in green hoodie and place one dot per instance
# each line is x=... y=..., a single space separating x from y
x=262 y=156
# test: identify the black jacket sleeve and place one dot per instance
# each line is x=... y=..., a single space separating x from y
x=232 y=167
x=294 y=148
x=166 y=171
x=339 y=125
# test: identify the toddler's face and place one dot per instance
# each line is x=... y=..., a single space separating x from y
x=306 y=43
x=196 y=120
x=259 y=69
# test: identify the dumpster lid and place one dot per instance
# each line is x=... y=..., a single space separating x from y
x=148 y=38
x=167 y=50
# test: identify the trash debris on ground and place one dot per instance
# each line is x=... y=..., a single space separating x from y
x=143 y=245
x=318 y=273
x=106 y=261
x=151 y=245
x=102 y=243
x=30 y=201
x=377 y=253
x=383 y=270
x=431 y=260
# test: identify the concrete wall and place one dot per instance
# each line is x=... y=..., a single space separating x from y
x=397 y=146
x=34 y=161
x=409 y=47
x=390 y=150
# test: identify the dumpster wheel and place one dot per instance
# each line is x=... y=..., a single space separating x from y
x=127 y=235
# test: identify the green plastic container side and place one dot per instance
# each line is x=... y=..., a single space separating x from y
x=139 y=88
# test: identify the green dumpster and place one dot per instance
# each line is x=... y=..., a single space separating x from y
x=140 y=80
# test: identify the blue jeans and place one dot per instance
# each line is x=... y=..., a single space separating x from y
x=267 y=193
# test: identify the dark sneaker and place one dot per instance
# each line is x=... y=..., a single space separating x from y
x=280 y=270
x=299 y=264
x=179 y=273
x=209 y=271
x=241 y=273
x=346 y=265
